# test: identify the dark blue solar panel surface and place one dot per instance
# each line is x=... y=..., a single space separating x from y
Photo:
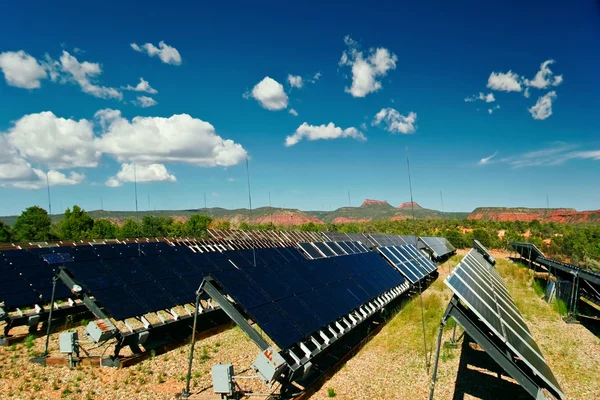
x=310 y=250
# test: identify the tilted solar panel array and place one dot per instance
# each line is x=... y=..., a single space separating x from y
x=293 y=300
x=481 y=288
x=378 y=240
x=438 y=246
x=527 y=250
x=409 y=261
x=314 y=250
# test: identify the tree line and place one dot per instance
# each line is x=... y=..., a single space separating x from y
x=578 y=244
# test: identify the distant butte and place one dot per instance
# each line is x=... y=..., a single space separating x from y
x=408 y=204
x=371 y=202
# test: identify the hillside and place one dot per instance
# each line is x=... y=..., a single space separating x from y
x=559 y=215
x=369 y=210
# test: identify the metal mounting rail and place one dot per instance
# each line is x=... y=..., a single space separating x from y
x=208 y=287
x=477 y=330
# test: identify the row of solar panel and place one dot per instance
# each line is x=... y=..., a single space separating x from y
x=315 y=250
x=438 y=246
x=411 y=263
x=294 y=300
x=481 y=288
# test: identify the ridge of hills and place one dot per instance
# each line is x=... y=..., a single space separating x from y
x=369 y=210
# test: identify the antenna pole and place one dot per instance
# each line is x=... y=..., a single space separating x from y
x=412 y=206
x=101 y=204
x=250 y=204
x=204 y=202
x=137 y=215
x=442 y=199
x=271 y=210
x=48 y=186
x=349 y=202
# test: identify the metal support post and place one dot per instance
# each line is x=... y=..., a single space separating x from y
x=49 y=324
x=186 y=391
x=439 y=345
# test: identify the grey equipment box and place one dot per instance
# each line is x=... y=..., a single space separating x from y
x=101 y=330
x=222 y=377
x=68 y=342
x=269 y=364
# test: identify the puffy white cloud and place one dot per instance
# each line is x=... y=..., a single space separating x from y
x=13 y=168
x=506 y=82
x=112 y=182
x=142 y=173
x=543 y=107
x=54 y=178
x=270 y=94
x=487 y=159
x=166 y=53
x=544 y=77
x=152 y=140
x=395 y=122
x=21 y=70
x=491 y=110
x=365 y=72
x=329 y=131
x=82 y=73
x=293 y=112
x=57 y=142
x=143 y=86
x=145 y=101
x=488 y=98
x=295 y=81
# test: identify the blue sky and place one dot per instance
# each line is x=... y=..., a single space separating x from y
x=403 y=83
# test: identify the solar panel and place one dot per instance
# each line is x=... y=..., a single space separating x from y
x=324 y=249
x=312 y=251
x=293 y=300
x=439 y=247
x=336 y=248
x=480 y=287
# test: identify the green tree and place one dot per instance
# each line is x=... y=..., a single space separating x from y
x=222 y=224
x=33 y=224
x=75 y=225
x=5 y=233
x=153 y=226
x=197 y=225
x=104 y=229
x=130 y=229
x=483 y=236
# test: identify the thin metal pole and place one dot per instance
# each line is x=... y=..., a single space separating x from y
x=205 y=203
x=250 y=203
x=48 y=186
x=442 y=199
x=437 y=359
x=349 y=202
x=186 y=391
x=137 y=215
x=49 y=324
x=412 y=206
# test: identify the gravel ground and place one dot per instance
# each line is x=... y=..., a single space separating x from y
x=390 y=366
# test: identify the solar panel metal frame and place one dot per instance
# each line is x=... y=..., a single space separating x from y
x=470 y=282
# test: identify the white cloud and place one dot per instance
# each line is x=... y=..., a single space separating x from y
x=82 y=74
x=487 y=159
x=293 y=112
x=142 y=173
x=491 y=110
x=364 y=126
x=143 y=86
x=488 y=98
x=270 y=94
x=230 y=180
x=559 y=154
x=526 y=93
x=145 y=101
x=366 y=71
x=543 y=107
x=57 y=142
x=316 y=77
x=21 y=70
x=295 y=81
x=507 y=82
x=166 y=53
x=543 y=78
x=54 y=178
x=13 y=168
x=152 y=140
x=395 y=122
x=112 y=182
x=329 y=131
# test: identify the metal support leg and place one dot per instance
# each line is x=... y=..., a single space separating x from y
x=186 y=391
x=54 y=279
x=437 y=351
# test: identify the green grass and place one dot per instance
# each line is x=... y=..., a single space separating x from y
x=29 y=342
x=330 y=392
x=561 y=307
x=539 y=287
